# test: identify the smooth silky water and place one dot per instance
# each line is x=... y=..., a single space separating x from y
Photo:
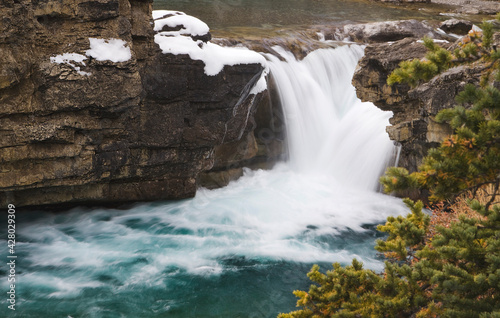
x=238 y=251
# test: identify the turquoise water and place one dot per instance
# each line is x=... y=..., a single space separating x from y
x=233 y=252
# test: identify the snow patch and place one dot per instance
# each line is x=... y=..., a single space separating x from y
x=70 y=59
x=475 y=28
x=189 y=25
x=438 y=30
x=178 y=42
x=158 y=14
x=214 y=56
x=321 y=36
x=261 y=84
x=114 y=50
x=434 y=40
x=67 y=58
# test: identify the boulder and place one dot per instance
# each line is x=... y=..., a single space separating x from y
x=405 y=1
x=455 y=26
x=382 y=31
x=471 y=7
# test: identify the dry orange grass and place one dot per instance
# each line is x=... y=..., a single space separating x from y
x=442 y=217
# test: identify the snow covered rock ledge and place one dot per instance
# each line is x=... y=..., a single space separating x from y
x=188 y=35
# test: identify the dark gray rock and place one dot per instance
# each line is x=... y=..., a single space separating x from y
x=405 y=1
x=460 y=27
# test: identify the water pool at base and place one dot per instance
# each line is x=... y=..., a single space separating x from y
x=233 y=252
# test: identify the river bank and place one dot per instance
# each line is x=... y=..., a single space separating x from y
x=487 y=7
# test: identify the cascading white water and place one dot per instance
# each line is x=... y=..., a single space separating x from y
x=330 y=131
x=237 y=251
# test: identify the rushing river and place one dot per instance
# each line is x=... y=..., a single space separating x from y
x=238 y=251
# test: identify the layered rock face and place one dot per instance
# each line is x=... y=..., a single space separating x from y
x=92 y=111
x=411 y=119
x=413 y=124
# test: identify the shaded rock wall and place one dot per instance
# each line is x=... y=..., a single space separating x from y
x=98 y=131
x=408 y=124
x=262 y=145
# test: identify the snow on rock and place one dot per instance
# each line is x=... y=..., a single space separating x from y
x=261 y=84
x=174 y=19
x=70 y=59
x=434 y=40
x=158 y=14
x=67 y=58
x=213 y=55
x=114 y=50
x=178 y=42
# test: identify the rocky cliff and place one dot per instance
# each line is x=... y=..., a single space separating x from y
x=92 y=110
x=413 y=125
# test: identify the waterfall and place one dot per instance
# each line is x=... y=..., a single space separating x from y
x=398 y=154
x=330 y=131
x=237 y=251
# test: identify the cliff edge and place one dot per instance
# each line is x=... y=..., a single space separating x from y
x=413 y=124
x=94 y=110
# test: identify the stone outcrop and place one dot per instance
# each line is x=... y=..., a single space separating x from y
x=469 y=7
x=370 y=82
x=460 y=27
x=262 y=145
x=382 y=31
x=413 y=124
x=79 y=127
